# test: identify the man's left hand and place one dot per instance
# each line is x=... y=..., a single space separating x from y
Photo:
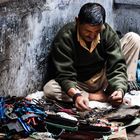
x=116 y=98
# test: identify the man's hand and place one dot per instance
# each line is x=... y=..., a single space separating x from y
x=82 y=103
x=116 y=98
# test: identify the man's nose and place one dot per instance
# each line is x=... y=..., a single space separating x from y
x=92 y=36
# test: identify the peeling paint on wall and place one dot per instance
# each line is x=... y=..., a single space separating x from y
x=128 y=16
x=27 y=29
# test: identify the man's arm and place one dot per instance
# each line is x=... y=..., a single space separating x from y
x=115 y=68
x=115 y=65
x=63 y=58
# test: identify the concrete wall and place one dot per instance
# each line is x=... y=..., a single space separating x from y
x=127 y=15
x=27 y=28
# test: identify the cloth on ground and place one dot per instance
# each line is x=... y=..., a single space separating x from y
x=133 y=97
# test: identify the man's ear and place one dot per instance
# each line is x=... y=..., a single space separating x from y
x=77 y=20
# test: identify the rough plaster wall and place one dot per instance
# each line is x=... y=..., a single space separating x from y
x=26 y=32
x=19 y=72
x=127 y=16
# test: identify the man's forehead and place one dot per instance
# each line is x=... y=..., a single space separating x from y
x=93 y=27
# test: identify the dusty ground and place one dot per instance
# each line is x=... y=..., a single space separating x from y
x=134 y=135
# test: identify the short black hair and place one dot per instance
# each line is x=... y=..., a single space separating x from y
x=92 y=13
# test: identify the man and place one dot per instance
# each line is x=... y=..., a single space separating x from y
x=88 y=60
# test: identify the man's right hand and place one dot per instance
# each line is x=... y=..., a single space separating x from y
x=82 y=103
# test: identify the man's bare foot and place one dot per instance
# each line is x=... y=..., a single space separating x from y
x=98 y=96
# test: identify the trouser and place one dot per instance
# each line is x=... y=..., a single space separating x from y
x=130 y=45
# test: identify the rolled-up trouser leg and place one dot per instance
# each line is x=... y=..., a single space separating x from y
x=53 y=91
x=130 y=45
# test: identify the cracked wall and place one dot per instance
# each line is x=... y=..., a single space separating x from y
x=27 y=28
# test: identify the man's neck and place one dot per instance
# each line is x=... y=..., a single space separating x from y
x=88 y=44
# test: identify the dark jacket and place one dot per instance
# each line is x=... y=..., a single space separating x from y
x=74 y=63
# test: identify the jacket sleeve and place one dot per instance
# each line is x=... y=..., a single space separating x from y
x=115 y=64
x=63 y=58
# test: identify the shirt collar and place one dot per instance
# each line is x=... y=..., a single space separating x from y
x=94 y=43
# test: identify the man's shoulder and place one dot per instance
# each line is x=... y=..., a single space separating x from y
x=107 y=27
x=69 y=27
x=67 y=31
x=108 y=31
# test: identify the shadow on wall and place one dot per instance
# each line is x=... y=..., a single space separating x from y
x=27 y=29
x=51 y=71
x=127 y=16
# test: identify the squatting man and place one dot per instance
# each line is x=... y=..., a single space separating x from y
x=91 y=62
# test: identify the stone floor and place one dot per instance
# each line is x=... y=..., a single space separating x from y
x=135 y=134
x=132 y=135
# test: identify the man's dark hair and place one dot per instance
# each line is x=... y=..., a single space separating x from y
x=92 y=13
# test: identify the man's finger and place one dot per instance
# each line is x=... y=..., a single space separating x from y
x=114 y=98
x=114 y=94
x=83 y=105
x=78 y=107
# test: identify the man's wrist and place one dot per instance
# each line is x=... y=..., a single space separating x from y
x=72 y=91
x=121 y=91
x=75 y=96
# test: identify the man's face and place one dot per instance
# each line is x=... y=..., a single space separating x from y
x=89 y=32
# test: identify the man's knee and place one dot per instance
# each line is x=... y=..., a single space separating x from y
x=130 y=41
x=132 y=34
x=53 y=90
x=134 y=37
x=51 y=87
